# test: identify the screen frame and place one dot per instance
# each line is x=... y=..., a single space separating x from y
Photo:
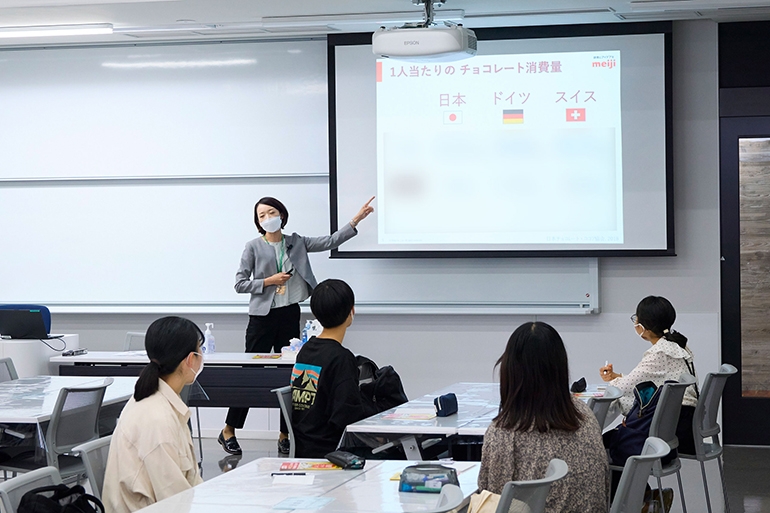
x=500 y=33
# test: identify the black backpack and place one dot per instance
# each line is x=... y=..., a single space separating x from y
x=59 y=499
x=381 y=388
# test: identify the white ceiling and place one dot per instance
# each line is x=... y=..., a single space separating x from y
x=142 y=20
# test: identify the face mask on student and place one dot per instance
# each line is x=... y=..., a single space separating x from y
x=271 y=224
x=200 y=369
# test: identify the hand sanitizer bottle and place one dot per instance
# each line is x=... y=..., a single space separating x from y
x=209 y=343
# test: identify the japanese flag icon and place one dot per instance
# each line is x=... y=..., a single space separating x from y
x=576 y=115
x=453 y=117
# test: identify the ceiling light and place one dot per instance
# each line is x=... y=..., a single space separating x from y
x=90 y=29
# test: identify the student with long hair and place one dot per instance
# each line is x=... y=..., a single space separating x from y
x=151 y=453
x=540 y=420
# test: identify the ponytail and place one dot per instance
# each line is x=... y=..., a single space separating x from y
x=168 y=341
x=676 y=337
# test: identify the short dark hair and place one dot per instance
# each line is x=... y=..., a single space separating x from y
x=534 y=382
x=168 y=341
x=657 y=314
x=272 y=202
x=331 y=302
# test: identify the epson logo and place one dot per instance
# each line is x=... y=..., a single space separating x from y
x=411 y=43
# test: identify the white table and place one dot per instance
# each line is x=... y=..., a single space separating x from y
x=478 y=405
x=30 y=356
x=31 y=400
x=26 y=404
x=474 y=401
x=250 y=488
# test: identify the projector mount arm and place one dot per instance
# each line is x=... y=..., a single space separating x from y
x=430 y=6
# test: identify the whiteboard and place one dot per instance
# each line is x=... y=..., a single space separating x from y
x=164 y=110
x=100 y=218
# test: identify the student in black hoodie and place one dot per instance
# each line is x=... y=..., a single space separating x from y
x=325 y=393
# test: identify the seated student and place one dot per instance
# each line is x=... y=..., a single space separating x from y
x=540 y=420
x=151 y=454
x=325 y=393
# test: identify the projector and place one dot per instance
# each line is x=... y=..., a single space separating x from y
x=449 y=42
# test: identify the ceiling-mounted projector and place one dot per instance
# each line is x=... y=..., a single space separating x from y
x=425 y=40
x=437 y=42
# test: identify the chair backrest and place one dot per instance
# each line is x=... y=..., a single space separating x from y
x=44 y=311
x=601 y=405
x=450 y=498
x=94 y=455
x=12 y=490
x=284 y=401
x=666 y=416
x=532 y=493
x=7 y=370
x=633 y=481
x=704 y=422
x=75 y=419
x=134 y=341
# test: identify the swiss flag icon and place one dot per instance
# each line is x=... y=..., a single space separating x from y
x=576 y=114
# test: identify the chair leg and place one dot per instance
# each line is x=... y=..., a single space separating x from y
x=200 y=441
x=705 y=485
x=724 y=486
x=660 y=496
x=681 y=491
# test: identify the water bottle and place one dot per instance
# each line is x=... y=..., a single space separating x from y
x=209 y=343
x=306 y=332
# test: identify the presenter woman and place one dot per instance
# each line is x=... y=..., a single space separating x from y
x=275 y=271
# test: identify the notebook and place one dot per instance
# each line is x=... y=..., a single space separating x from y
x=23 y=324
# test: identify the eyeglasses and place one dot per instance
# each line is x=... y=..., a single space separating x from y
x=635 y=319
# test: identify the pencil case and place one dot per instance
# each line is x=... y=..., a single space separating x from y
x=445 y=405
x=426 y=478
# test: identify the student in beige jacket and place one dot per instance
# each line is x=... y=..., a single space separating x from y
x=151 y=453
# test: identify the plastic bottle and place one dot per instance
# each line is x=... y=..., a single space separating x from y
x=306 y=332
x=209 y=343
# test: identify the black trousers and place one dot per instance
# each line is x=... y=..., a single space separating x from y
x=266 y=334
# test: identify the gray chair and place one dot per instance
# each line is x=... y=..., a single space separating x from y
x=74 y=421
x=11 y=491
x=7 y=370
x=134 y=341
x=601 y=405
x=532 y=493
x=450 y=498
x=284 y=401
x=629 y=496
x=94 y=456
x=664 y=423
x=705 y=425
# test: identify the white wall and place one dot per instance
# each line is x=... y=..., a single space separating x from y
x=434 y=351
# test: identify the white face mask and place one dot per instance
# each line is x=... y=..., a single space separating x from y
x=200 y=369
x=271 y=224
x=641 y=335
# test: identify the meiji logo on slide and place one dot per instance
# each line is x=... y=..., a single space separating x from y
x=604 y=62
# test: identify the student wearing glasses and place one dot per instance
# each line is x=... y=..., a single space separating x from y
x=151 y=454
x=667 y=359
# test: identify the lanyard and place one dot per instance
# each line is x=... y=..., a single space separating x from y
x=279 y=261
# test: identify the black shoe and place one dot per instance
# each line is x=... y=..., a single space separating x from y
x=284 y=445
x=230 y=445
x=229 y=462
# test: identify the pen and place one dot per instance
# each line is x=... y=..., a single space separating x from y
x=606 y=363
x=287 y=474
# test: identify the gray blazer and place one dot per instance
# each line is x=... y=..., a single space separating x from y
x=258 y=263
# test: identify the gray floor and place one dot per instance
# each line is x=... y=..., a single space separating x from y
x=747 y=473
